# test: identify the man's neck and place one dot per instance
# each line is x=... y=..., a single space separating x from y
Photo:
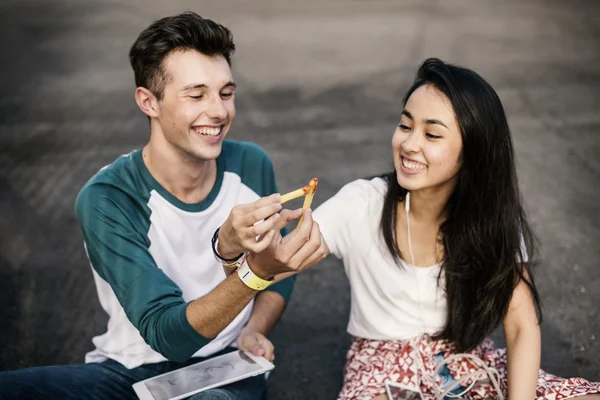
x=188 y=179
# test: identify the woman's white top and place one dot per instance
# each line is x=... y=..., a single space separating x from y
x=389 y=301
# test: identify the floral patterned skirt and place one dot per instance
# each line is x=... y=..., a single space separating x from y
x=370 y=363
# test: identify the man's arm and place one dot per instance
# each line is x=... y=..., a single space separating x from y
x=210 y=314
x=268 y=308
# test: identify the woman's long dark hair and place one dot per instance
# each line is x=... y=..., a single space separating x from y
x=485 y=219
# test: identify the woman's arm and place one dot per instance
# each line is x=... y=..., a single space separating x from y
x=523 y=344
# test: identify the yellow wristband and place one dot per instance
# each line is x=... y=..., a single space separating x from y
x=251 y=280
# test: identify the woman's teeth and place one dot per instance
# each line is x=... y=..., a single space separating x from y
x=413 y=165
x=208 y=131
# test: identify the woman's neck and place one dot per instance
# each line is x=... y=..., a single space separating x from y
x=428 y=205
x=418 y=231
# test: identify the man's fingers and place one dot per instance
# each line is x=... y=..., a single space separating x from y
x=265 y=226
x=292 y=243
x=269 y=349
x=258 y=350
x=306 y=257
x=257 y=344
x=265 y=201
x=307 y=224
x=264 y=242
x=302 y=235
x=314 y=258
x=261 y=213
x=310 y=247
x=287 y=216
x=295 y=240
x=247 y=342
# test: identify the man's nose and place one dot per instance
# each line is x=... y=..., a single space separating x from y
x=217 y=109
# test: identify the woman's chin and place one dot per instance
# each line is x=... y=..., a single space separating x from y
x=408 y=183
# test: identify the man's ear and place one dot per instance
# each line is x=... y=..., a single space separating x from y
x=147 y=102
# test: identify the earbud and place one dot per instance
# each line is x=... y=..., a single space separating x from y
x=407 y=202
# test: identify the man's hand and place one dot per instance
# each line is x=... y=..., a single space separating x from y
x=239 y=232
x=293 y=253
x=256 y=343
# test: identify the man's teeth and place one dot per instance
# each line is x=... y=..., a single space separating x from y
x=208 y=131
x=413 y=165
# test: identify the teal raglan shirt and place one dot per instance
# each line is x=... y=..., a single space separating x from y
x=120 y=207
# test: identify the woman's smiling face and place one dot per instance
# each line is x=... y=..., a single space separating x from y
x=427 y=143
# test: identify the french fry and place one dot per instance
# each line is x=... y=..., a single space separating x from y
x=308 y=191
x=314 y=182
x=295 y=194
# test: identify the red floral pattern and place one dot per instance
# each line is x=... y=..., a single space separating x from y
x=370 y=363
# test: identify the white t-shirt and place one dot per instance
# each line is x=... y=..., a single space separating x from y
x=389 y=301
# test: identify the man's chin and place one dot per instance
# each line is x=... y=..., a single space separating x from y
x=207 y=154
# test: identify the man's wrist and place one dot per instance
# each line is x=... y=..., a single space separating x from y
x=257 y=270
x=250 y=278
x=223 y=252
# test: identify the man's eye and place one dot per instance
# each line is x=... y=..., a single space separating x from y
x=226 y=95
x=196 y=97
x=404 y=127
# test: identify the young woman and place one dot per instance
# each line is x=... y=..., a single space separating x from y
x=439 y=253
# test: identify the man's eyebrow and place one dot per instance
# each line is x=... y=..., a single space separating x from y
x=409 y=115
x=229 y=84
x=195 y=86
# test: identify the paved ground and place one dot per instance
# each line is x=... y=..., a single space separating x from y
x=320 y=88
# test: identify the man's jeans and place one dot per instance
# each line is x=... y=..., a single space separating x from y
x=109 y=380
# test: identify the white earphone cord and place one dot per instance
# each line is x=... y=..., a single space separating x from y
x=491 y=373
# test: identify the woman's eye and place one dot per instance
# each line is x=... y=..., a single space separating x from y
x=196 y=97
x=432 y=136
x=226 y=95
x=404 y=127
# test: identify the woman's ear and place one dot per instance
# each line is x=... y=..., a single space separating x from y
x=147 y=102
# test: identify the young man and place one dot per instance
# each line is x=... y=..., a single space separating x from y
x=148 y=221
